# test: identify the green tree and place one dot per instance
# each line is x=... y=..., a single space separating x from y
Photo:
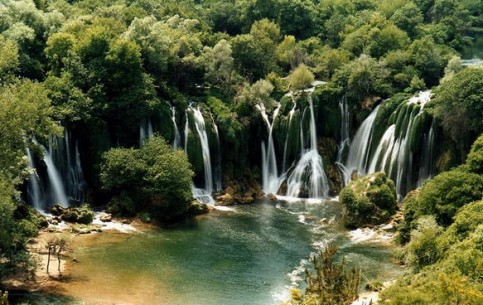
x=256 y=94
x=156 y=177
x=297 y=18
x=25 y=113
x=9 y=60
x=329 y=282
x=408 y=18
x=288 y=53
x=364 y=76
x=329 y=60
x=474 y=160
x=429 y=58
x=443 y=196
x=423 y=248
x=18 y=223
x=219 y=64
x=457 y=105
x=301 y=78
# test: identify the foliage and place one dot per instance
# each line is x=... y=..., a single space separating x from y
x=3 y=298
x=17 y=225
x=423 y=248
x=82 y=214
x=457 y=105
x=156 y=177
x=256 y=94
x=301 y=78
x=219 y=64
x=329 y=282
x=364 y=76
x=25 y=113
x=474 y=160
x=368 y=200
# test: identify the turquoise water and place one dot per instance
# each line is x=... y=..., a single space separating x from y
x=250 y=255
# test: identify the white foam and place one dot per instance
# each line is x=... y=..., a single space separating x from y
x=223 y=208
x=369 y=235
x=112 y=225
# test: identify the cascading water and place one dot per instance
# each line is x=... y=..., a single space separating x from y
x=218 y=178
x=201 y=194
x=345 y=142
x=308 y=176
x=426 y=170
x=33 y=190
x=271 y=180
x=177 y=137
x=145 y=131
x=394 y=151
x=360 y=147
x=55 y=179
x=63 y=180
x=285 y=147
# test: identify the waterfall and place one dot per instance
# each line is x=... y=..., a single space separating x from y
x=218 y=176
x=77 y=184
x=145 y=131
x=360 y=147
x=201 y=194
x=285 y=147
x=55 y=179
x=308 y=176
x=177 y=138
x=393 y=153
x=271 y=180
x=426 y=170
x=345 y=142
x=63 y=181
x=33 y=190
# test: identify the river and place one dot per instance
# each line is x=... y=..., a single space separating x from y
x=251 y=254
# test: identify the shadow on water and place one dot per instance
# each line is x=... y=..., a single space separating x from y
x=37 y=298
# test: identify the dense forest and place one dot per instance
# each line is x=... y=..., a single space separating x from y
x=118 y=87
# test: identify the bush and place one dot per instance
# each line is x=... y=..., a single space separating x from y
x=423 y=248
x=301 y=78
x=154 y=179
x=474 y=161
x=457 y=105
x=369 y=200
x=329 y=282
x=443 y=195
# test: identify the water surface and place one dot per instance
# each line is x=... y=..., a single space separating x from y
x=250 y=255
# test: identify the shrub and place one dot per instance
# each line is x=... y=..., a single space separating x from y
x=154 y=179
x=301 y=78
x=423 y=249
x=329 y=282
x=369 y=200
x=443 y=195
x=474 y=161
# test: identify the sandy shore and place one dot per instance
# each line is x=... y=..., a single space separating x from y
x=65 y=277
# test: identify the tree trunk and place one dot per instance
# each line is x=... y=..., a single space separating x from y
x=48 y=259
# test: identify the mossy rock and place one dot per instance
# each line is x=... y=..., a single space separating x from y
x=369 y=200
x=82 y=214
x=197 y=208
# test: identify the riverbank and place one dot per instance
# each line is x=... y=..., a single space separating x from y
x=244 y=255
x=52 y=274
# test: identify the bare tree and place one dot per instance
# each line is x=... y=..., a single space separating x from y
x=56 y=246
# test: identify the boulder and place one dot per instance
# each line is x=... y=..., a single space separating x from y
x=369 y=200
x=225 y=199
x=197 y=208
x=82 y=214
x=105 y=217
